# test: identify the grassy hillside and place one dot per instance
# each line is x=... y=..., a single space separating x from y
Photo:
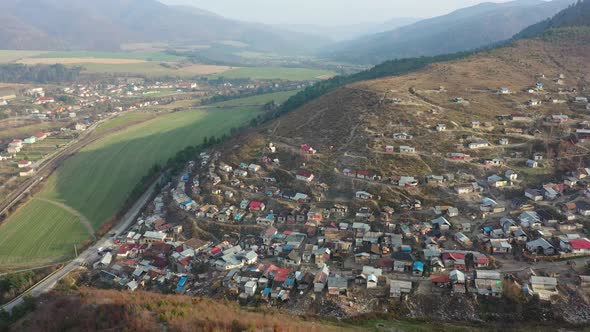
x=104 y=310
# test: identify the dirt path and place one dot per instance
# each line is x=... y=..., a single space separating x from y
x=73 y=211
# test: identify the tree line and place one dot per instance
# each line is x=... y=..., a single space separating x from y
x=19 y=73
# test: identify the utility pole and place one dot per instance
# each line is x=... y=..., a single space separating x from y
x=75 y=250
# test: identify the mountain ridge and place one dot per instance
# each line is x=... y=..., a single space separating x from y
x=107 y=24
x=462 y=30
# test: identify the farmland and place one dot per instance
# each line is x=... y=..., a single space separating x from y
x=98 y=179
x=158 y=64
x=39 y=233
x=294 y=74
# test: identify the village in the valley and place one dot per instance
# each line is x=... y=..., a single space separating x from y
x=266 y=222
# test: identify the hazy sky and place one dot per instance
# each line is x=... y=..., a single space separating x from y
x=327 y=12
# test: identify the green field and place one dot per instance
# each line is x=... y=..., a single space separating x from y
x=150 y=68
x=123 y=120
x=148 y=56
x=39 y=233
x=278 y=97
x=10 y=55
x=97 y=180
x=292 y=74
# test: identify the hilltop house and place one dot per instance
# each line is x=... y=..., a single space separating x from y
x=478 y=144
x=304 y=175
x=406 y=149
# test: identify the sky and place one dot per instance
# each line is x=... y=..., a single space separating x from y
x=327 y=12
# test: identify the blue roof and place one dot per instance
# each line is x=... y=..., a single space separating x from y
x=266 y=291
x=418 y=266
x=182 y=282
x=487 y=229
x=289 y=282
x=186 y=202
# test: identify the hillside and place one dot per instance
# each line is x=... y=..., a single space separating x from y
x=351 y=126
x=101 y=310
x=462 y=30
x=575 y=15
x=109 y=24
x=349 y=32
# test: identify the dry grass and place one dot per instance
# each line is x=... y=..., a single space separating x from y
x=93 y=310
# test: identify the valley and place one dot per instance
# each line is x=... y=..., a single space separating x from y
x=156 y=179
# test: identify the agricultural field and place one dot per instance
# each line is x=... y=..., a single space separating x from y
x=146 y=56
x=11 y=56
x=292 y=74
x=153 y=69
x=39 y=150
x=98 y=179
x=39 y=233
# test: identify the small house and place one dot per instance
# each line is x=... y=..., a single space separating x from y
x=399 y=287
x=406 y=149
x=540 y=246
x=441 y=127
x=304 y=175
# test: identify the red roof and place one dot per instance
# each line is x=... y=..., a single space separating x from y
x=215 y=251
x=305 y=147
x=580 y=244
x=281 y=275
x=442 y=278
x=304 y=173
x=453 y=255
x=24 y=162
x=255 y=205
x=364 y=173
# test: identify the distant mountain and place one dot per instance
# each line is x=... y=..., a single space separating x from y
x=461 y=30
x=575 y=15
x=107 y=24
x=349 y=32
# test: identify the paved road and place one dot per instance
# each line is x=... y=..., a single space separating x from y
x=90 y=255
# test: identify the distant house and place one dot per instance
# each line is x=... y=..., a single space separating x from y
x=399 y=287
x=534 y=102
x=503 y=141
x=304 y=175
x=558 y=118
x=24 y=163
x=363 y=195
x=583 y=208
x=441 y=127
x=366 y=174
x=406 y=149
x=27 y=171
x=337 y=285
x=532 y=163
x=256 y=206
x=504 y=91
x=540 y=246
x=478 y=144
x=254 y=168
x=576 y=246
x=307 y=149
x=519 y=117
x=30 y=140
x=544 y=287
x=402 y=136
x=389 y=149
x=511 y=175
